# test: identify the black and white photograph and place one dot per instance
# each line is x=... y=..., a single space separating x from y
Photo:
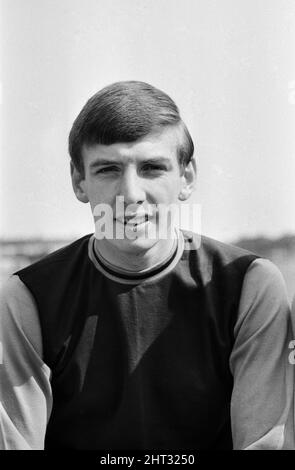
x=147 y=228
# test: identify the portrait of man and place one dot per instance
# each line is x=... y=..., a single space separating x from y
x=143 y=342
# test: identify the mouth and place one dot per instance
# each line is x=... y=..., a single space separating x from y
x=133 y=220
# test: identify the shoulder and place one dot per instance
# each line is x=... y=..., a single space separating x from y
x=264 y=274
x=213 y=256
x=264 y=280
x=264 y=297
x=18 y=314
x=195 y=241
x=69 y=253
x=13 y=293
x=226 y=250
x=261 y=275
x=219 y=266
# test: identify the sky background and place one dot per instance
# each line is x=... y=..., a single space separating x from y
x=228 y=64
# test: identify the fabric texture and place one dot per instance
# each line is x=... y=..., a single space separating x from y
x=159 y=364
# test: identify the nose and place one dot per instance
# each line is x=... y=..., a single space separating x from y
x=131 y=187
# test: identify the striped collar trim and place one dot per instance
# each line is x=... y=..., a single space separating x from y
x=148 y=276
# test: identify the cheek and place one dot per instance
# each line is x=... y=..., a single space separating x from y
x=170 y=190
x=98 y=193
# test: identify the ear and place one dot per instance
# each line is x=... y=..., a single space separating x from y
x=78 y=182
x=188 y=180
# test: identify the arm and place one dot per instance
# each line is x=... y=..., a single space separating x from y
x=25 y=392
x=262 y=400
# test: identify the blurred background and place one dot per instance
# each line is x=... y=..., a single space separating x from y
x=228 y=64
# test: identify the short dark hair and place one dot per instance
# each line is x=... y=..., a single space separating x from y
x=124 y=112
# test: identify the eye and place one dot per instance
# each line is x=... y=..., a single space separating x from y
x=153 y=167
x=106 y=169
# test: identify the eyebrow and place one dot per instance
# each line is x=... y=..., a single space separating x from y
x=105 y=162
x=102 y=162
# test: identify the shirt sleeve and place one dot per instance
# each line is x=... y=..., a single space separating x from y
x=25 y=391
x=262 y=405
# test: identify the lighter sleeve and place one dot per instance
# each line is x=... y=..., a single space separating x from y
x=262 y=404
x=25 y=389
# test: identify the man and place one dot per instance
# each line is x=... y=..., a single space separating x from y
x=136 y=341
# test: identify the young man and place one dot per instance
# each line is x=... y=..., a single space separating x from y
x=140 y=341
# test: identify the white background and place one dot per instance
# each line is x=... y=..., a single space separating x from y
x=228 y=64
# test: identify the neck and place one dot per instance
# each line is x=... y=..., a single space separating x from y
x=138 y=260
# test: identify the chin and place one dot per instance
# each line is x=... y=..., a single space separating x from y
x=134 y=246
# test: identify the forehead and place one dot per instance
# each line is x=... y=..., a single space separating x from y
x=163 y=143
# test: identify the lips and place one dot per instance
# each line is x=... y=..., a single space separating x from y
x=133 y=220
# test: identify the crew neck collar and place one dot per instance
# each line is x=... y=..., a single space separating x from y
x=147 y=275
